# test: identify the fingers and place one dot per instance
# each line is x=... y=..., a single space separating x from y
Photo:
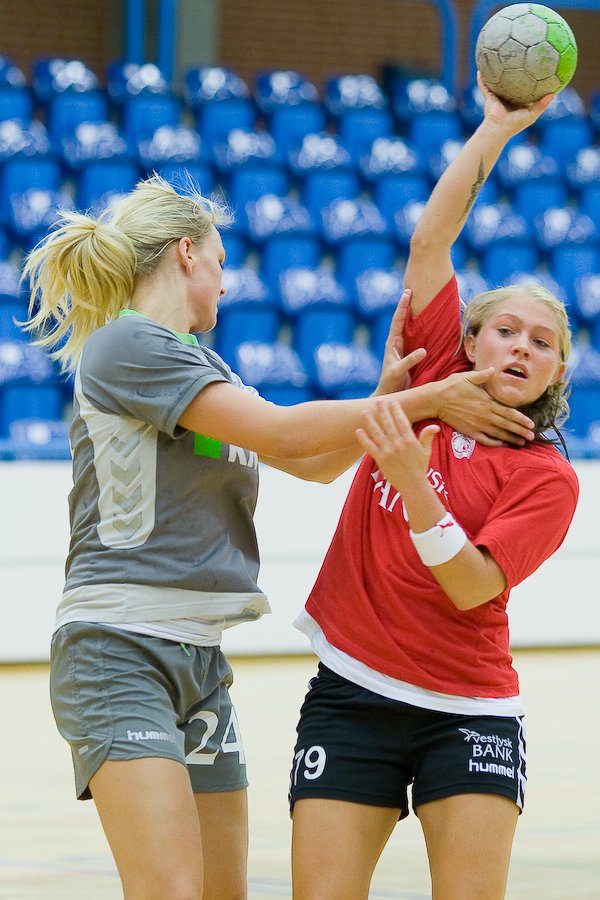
x=480 y=376
x=407 y=362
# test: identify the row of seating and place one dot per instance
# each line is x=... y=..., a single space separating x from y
x=323 y=218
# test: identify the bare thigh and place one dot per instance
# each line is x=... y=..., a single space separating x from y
x=335 y=847
x=224 y=828
x=148 y=813
x=469 y=840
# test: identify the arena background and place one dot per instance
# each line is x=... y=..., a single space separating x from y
x=51 y=846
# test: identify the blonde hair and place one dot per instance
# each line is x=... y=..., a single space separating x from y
x=551 y=409
x=84 y=272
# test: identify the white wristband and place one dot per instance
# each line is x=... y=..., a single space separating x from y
x=441 y=543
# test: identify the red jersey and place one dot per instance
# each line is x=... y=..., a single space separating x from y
x=375 y=600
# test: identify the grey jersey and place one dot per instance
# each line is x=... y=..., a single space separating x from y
x=161 y=519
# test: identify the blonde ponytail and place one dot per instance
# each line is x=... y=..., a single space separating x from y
x=80 y=276
x=86 y=270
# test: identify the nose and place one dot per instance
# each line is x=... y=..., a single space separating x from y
x=521 y=344
x=222 y=291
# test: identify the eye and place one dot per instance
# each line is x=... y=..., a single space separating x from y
x=505 y=331
x=542 y=343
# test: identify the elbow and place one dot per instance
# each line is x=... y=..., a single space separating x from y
x=470 y=598
x=421 y=242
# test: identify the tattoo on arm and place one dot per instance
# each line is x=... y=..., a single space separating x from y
x=475 y=188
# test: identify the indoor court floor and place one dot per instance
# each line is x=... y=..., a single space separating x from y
x=52 y=846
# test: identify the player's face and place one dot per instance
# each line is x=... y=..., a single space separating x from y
x=206 y=285
x=521 y=340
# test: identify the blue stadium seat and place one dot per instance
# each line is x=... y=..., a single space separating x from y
x=568 y=262
x=322 y=187
x=289 y=125
x=33 y=212
x=542 y=277
x=129 y=79
x=271 y=215
x=390 y=155
x=68 y=110
x=215 y=120
x=212 y=84
x=345 y=370
x=92 y=141
x=393 y=192
x=428 y=131
x=37 y=439
x=24 y=363
x=236 y=247
x=275 y=370
x=180 y=174
x=245 y=147
x=584 y=400
x=563 y=139
x=361 y=253
x=247 y=323
x=29 y=401
x=470 y=106
x=568 y=104
x=13 y=303
x=56 y=75
x=405 y=220
x=16 y=102
x=10 y=73
x=414 y=97
x=170 y=145
x=22 y=173
x=589 y=201
x=531 y=198
x=22 y=140
x=278 y=88
x=522 y=163
x=345 y=219
x=247 y=311
x=470 y=284
x=500 y=262
x=585 y=168
x=319 y=153
x=562 y=225
x=344 y=92
x=287 y=252
x=101 y=181
x=493 y=222
x=301 y=288
x=250 y=182
x=320 y=324
x=358 y=128
x=142 y=115
x=587 y=298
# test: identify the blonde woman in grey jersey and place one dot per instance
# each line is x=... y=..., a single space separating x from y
x=163 y=556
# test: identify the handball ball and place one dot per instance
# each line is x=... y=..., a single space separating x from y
x=524 y=52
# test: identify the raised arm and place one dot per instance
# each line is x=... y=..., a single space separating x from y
x=429 y=265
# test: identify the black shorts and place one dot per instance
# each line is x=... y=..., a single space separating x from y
x=359 y=746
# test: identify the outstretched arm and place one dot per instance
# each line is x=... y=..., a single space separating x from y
x=429 y=265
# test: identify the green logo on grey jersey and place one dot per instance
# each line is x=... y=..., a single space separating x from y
x=206 y=446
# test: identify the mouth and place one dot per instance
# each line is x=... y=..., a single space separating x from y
x=515 y=371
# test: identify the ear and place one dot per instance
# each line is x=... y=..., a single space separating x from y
x=185 y=254
x=469 y=345
x=560 y=371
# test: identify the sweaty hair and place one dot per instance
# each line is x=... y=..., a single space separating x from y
x=551 y=409
x=84 y=272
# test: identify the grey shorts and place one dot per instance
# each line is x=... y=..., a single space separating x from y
x=120 y=695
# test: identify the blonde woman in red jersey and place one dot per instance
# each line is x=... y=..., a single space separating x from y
x=408 y=615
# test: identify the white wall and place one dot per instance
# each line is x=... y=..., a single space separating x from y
x=558 y=605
